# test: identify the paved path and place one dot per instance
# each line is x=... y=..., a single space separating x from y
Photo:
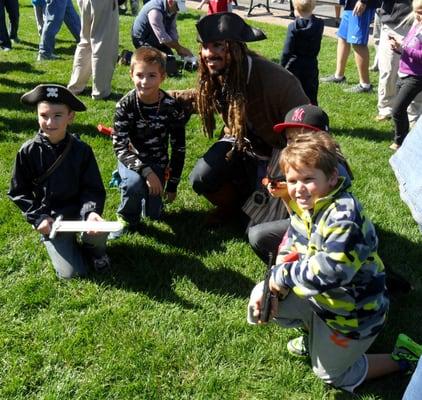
x=280 y=13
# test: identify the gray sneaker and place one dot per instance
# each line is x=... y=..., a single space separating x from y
x=333 y=79
x=45 y=57
x=359 y=89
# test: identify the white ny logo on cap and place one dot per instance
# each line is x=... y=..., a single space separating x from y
x=52 y=92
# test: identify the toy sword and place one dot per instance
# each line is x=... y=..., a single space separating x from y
x=83 y=226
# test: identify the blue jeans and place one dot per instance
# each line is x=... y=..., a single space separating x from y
x=57 y=11
x=414 y=389
x=135 y=199
x=68 y=256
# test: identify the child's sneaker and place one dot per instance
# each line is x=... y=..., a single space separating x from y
x=406 y=352
x=298 y=346
x=102 y=264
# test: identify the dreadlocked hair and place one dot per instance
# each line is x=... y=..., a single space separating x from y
x=227 y=96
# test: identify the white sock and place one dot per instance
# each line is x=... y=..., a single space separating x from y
x=365 y=85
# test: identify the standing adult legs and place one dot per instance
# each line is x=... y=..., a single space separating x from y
x=12 y=8
x=81 y=71
x=5 y=42
x=362 y=62
x=343 y=51
x=388 y=64
x=104 y=44
x=72 y=20
x=408 y=87
x=53 y=18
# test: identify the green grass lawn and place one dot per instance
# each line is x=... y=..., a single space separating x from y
x=170 y=323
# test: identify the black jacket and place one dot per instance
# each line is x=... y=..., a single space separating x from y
x=303 y=43
x=74 y=189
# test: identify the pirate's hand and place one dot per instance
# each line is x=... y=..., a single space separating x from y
x=154 y=184
x=279 y=190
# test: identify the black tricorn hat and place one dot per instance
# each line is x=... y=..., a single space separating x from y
x=53 y=93
x=226 y=26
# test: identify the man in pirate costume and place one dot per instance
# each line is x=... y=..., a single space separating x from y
x=251 y=94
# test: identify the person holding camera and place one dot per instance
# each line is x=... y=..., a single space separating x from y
x=155 y=26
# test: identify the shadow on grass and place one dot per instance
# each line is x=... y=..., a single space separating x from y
x=390 y=387
x=6 y=66
x=400 y=255
x=144 y=269
x=361 y=132
x=31 y=45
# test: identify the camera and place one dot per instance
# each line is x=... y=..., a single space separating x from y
x=190 y=63
x=260 y=198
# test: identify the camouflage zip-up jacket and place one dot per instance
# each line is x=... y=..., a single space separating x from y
x=142 y=133
x=339 y=270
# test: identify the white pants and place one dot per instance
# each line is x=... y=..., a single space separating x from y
x=96 y=53
x=388 y=64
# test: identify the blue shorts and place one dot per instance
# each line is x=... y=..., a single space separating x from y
x=354 y=29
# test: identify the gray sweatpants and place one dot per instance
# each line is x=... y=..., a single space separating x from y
x=69 y=256
x=336 y=359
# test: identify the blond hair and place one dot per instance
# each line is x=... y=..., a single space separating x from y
x=304 y=6
x=148 y=55
x=313 y=150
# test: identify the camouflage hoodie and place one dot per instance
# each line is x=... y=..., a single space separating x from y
x=339 y=270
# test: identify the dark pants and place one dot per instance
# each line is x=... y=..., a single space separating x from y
x=214 y=170
x=306 y=70
x=408 y=88
x=266 y=237
x=12 y=8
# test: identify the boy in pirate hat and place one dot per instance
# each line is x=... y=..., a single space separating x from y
x=55 y=173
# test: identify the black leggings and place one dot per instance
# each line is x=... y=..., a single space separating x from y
x=408 y=88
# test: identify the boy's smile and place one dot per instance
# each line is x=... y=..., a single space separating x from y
x=147 y=79
x=53 y=120
x=306 y=185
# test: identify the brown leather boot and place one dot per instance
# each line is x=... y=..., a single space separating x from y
x=227 y=206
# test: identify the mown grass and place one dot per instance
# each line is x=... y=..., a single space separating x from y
x=170 y=321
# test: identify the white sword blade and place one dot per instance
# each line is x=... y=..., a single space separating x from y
x=86 y=226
